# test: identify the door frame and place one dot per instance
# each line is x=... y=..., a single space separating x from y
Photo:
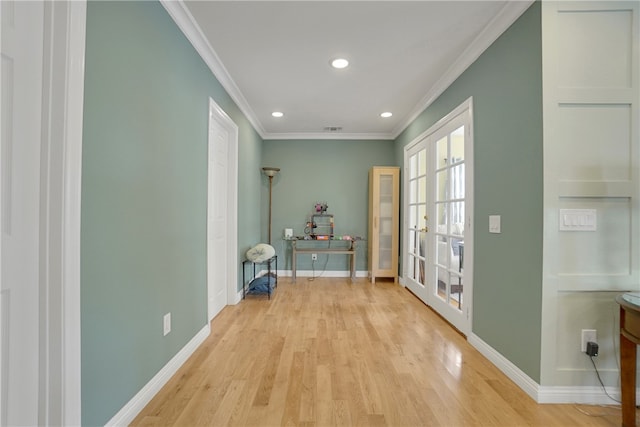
x=217 y=114
x=463 y=324
x=60 y=212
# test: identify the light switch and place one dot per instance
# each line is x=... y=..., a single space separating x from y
x=578 y=220
x=494 y=224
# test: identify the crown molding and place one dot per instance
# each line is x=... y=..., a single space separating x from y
x=327 y=135
x=189 y=27
x=511 y=11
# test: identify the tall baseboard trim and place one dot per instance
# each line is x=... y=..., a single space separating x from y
x=316 y=273
x=514 y=373
x=580 y=395
x=583 y=395
x=126 y=415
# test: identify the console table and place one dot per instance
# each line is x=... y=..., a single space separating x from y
x=349 y=249
x=629 y=339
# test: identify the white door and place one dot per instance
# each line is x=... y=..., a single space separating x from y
x=21 y=99
x=438 y=249
x=217 y=212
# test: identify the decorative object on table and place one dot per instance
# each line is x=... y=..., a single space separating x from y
x=260 y=253
x=270 y=172
x=321 y=207
x=320 y=224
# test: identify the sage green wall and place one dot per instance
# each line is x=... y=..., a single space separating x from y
x=334 y=171
x=506 y=85
x=144 y=198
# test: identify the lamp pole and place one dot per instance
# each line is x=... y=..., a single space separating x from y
x=270 y=172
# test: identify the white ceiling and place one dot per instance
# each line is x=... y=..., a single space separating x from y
x=274 y=55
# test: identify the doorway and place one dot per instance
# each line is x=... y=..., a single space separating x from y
x=221 y=211
x=438 y=206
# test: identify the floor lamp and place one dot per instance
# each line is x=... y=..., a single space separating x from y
x=270 y=172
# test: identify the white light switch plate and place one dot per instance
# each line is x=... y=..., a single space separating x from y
x=494 y=224
x=166 y=323
x=578 y=220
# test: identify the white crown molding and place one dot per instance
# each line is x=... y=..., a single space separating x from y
x=187 y=24
x=511 y=11
x=327 y=135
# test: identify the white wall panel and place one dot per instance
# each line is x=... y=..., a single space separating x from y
x=595 y=49
x=596 y=142
x=579 y=310
x=596 y=259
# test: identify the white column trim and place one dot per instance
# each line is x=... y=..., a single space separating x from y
x=62 y=112
x=72 y=212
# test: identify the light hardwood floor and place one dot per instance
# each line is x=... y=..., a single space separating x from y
x=332 y=352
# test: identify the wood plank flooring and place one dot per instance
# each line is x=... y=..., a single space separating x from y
x=331 y=352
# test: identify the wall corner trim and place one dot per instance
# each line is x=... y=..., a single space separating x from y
x=129 y=411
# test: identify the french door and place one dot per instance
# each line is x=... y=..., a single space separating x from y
x=438 y=249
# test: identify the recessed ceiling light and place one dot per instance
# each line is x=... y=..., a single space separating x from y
x=277 y=114
x=339 y=63
x=386 y=114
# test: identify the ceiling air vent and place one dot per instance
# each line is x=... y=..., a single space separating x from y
x=332 y=128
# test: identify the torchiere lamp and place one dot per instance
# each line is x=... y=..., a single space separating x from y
x=270 y=172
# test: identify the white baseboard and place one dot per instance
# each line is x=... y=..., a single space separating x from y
x=581 y=395
x=311 y=273
x=514 y=373
x=584 y=395
x=125 y=416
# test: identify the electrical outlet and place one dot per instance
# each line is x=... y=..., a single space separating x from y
x=314 y=257
x=166 y=323
x=587 y=335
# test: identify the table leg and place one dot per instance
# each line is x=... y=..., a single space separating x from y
x=628 y=380
x=354 y=248
x=353 y=265
x=293 y=262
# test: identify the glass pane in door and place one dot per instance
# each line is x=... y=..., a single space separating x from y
x=449 y=207
x=418 y=218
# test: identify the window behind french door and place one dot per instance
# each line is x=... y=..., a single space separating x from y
x=438 y=249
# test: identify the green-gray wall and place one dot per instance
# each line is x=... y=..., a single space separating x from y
x=506 y=85
x=144 y=198
x=332 y=171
